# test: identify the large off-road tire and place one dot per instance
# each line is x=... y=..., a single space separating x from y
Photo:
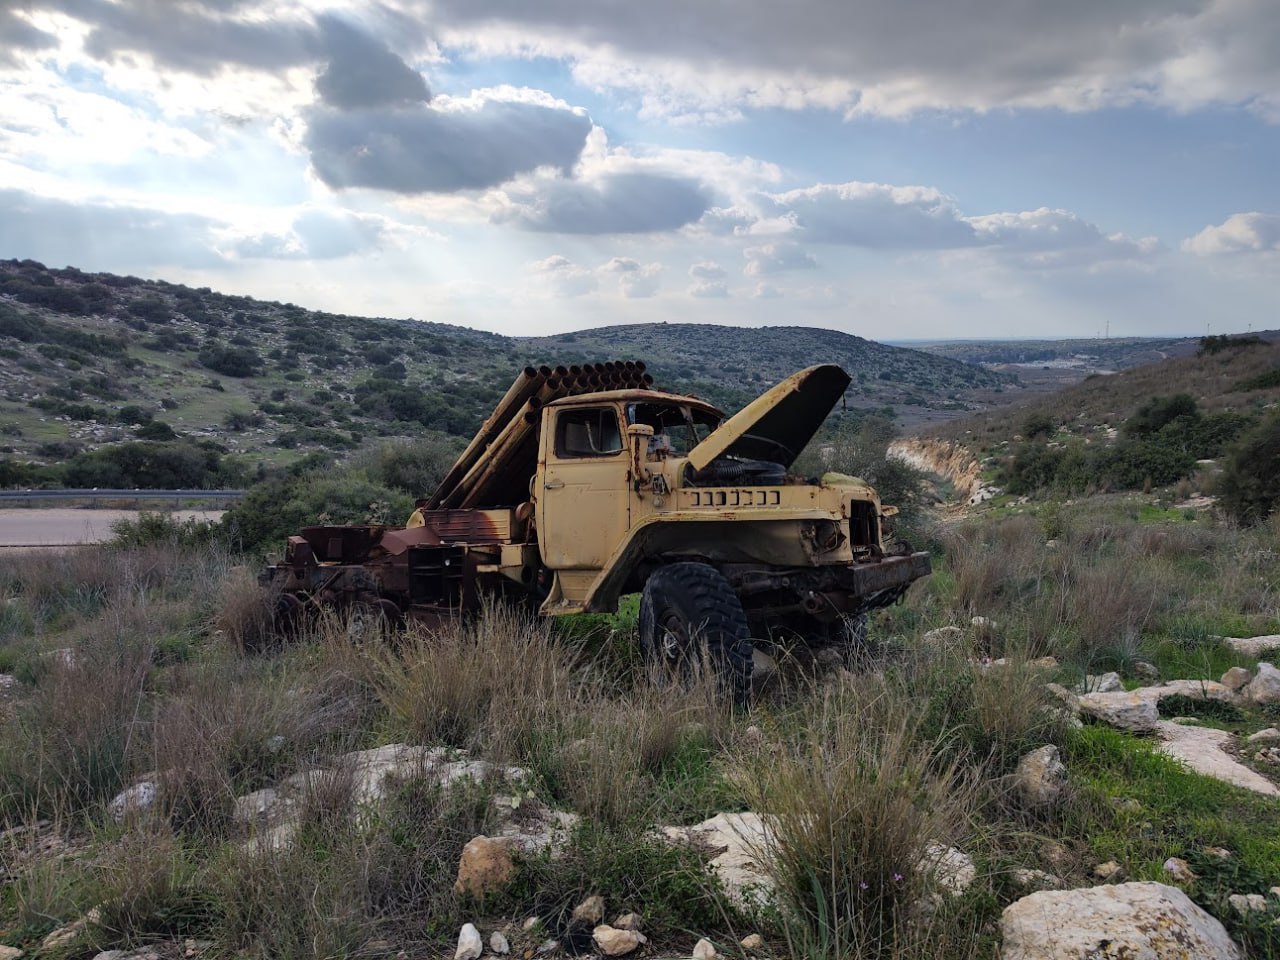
x=688 y=614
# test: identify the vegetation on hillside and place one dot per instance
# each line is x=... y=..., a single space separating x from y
x=94 y=361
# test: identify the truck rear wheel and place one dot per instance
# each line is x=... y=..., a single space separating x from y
x=689 y=608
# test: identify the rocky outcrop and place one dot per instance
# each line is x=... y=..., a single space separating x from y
x=1202 y=749
x=741 y=839
x=951 y=461
x=1152 y=921
x=1253 y=646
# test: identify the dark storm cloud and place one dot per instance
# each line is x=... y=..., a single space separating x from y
x=903 y=55
x=99 y=236
x=617 y=203
x=364 y=72
x=197 y=38
x=421 y=149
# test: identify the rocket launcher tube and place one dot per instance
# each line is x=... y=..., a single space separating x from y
x=525 y=386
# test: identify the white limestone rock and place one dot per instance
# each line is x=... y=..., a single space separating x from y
x=1151 y=921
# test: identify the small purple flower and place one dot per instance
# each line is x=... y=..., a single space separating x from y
x=897 y=878
x=863 y=885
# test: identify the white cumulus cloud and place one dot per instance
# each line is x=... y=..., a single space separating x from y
x=1240 y=233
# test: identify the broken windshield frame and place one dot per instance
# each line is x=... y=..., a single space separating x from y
x=677 y=427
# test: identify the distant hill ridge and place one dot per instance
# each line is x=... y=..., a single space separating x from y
x=88 y=359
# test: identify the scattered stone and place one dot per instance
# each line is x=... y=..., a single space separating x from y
x=1269 y=755
x=7 y=683
x=1253 y=646
x=1275 y=893
x=1041 y=777
x=1127 y=804
x=531 y=923
x=1148 y=920
x=1146 y=671
x=1103 y=683
x=613 y=942
x=1032 y=880
x=9 y=953
x=484 y=867
x=628 y=921
x=1179 y=870
x=1187 y=721
x=68 y=934
x=134 y=800
x=704 y=950
x=1107 y=871
x=1222 y=853
x=951 y=868
x=1043 y=663
x=1236 y=679
x=943 y=637
x=548 y=946
x=1247 y=903
x=752 y=941
x=261 y=808
x=753 y=735
x=762 y=664
x=1129 y=711
x=498 y=943
x=1201 y=749
x=1264 y=688
x=983 y=625
x=590 y=910
x=470 y=946
x=1265 y=736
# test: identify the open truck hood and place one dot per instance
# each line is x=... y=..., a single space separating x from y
x=777 y=425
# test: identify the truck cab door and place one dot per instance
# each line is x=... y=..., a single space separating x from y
x=583 y=510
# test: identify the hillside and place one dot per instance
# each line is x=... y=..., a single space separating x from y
x=1111 y=353
x=1241 y=379
x=94 y=359
x=732 y=364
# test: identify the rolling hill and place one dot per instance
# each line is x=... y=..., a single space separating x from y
x=88 y=360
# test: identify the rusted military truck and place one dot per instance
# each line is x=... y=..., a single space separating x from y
x=588 y=483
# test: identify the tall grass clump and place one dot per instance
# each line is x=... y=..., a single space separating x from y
x=68 y=743
x=498 y=674
x=854 y=801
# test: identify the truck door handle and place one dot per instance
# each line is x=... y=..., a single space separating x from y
x=553 y=484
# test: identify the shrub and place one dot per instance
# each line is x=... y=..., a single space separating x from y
x=278 y=508
x=150 y=528
x=1160 y=411
x=1249 y=487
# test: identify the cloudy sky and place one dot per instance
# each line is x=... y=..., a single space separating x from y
x=892 y=168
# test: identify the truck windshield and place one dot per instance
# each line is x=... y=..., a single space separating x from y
x=677 y=428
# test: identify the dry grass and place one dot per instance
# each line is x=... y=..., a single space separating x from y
x=69 y=742
x=855 y=799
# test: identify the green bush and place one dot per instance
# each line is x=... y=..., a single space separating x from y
x=1158 y=412
x=1249 y=488
x=279 y=508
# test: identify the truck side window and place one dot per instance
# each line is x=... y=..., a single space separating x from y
x=588 y=433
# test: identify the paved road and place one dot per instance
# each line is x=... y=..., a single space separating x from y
x=63 y=526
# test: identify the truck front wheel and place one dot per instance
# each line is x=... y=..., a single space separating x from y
x=689 y=614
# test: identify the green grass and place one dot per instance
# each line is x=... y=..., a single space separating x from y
x=1172 y=812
